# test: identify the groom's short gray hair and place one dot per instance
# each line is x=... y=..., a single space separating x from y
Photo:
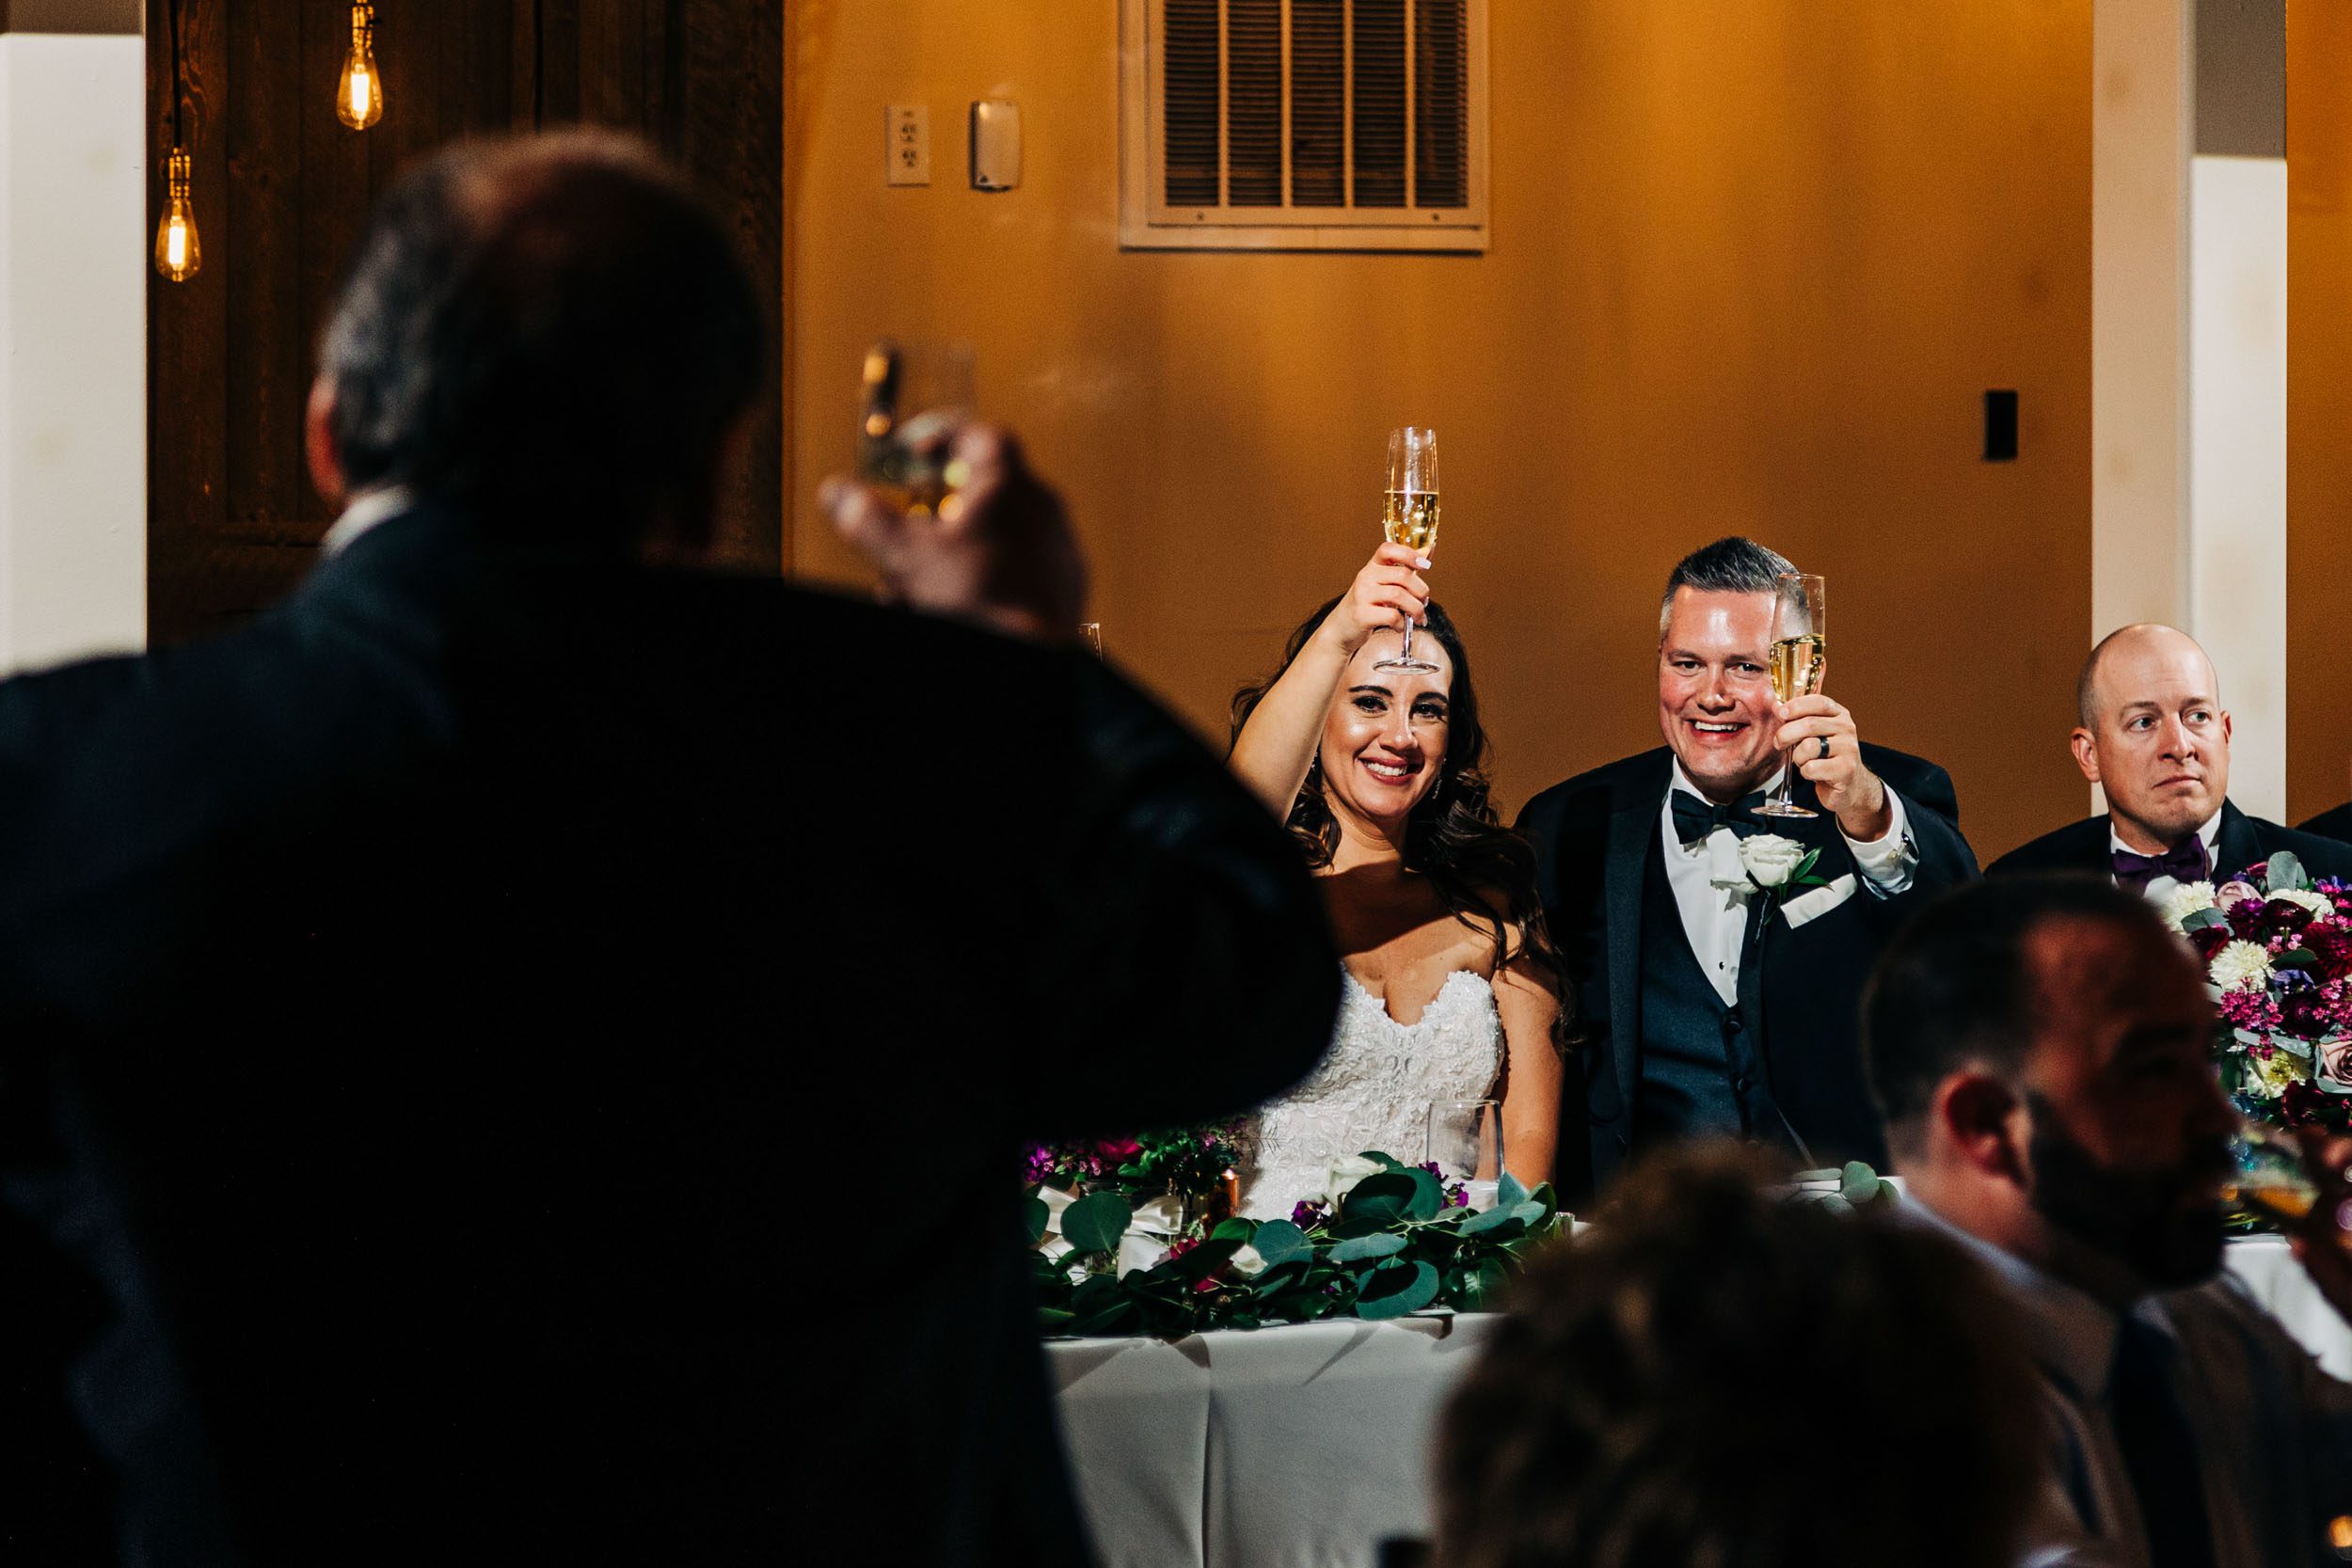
x=1734 y=566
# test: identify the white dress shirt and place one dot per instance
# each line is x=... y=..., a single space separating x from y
x=365 y=510
x=2210 y=834
x=2273 y=1430
x=1712 y=891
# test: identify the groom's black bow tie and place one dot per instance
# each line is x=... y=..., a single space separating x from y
x=1695 y=818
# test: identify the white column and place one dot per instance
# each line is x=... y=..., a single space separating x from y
x=2141 y=121
x=2188 y=348
x=2237 y=533
x=75 y=234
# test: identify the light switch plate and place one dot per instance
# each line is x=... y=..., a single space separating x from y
x=995 y=145
x=907 y=144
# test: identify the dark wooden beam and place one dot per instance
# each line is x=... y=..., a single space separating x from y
x=102 y=17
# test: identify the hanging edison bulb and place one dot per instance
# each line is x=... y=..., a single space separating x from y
x=359 y=96
x=177 y=253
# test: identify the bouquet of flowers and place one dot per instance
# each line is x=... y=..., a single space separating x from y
x=2277 y=952
x=1189 y=1164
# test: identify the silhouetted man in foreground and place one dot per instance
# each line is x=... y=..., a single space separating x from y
x=530 y=1038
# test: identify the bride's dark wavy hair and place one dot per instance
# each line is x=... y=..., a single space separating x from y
x=1454 y=836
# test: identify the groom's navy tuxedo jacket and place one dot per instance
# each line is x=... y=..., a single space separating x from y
x=1595 y=837
x=2243 y=842
x=531 y=1052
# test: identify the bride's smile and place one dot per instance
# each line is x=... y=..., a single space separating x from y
x=1383 y=735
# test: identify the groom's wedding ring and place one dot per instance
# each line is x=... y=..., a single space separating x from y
x=1824 y=740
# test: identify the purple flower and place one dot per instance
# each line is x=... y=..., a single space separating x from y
x=1309 y=1213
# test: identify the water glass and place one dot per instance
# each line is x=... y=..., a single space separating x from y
x=1466 y=1144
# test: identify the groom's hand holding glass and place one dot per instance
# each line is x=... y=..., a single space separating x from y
x=1819 y=738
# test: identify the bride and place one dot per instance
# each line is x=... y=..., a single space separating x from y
x=1453 y=989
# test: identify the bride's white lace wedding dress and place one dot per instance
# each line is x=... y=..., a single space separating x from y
x=1372 y=1090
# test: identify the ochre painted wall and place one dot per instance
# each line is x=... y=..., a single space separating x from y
x=1753 y=268
x=2319 y=403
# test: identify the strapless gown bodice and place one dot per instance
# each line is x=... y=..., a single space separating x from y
x=1371 y=1090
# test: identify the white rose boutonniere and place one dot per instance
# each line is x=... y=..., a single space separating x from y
x=1772 y=861
x=1778 y=866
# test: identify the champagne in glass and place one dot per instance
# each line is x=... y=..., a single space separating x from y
x=1410 y=515
x=1797 y=665
x=1799 y=653
x=914 y=397
x=1412 y=521
x=2271 y=1180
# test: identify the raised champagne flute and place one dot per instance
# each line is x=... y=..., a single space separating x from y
x=1799 y=653
x=912 y=396
x=1411 y=517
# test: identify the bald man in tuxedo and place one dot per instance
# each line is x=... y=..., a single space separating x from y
x=2153 y=734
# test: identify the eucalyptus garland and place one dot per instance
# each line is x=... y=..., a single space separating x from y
x=1393 y=1245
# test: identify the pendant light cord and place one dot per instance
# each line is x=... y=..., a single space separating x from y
x=178 y=140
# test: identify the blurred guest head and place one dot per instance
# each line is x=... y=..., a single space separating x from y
x=1714 y=682
x=1717 y=1376
x=554 y=333
x=2038 y=1046
x=2152 y=733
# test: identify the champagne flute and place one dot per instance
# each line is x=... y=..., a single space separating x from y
x=914 y=397
x=1799 y=650
x=1411 y=517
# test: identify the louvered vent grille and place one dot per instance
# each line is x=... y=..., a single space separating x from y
x=1342 y=115
x=1379 y=40
x=1442 y=105
x=1318 y=104
x=1196 y=100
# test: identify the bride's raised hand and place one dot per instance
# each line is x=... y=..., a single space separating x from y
x=1384 y=595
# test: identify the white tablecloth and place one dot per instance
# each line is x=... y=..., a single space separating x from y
x=1298 y=1446
x=1301 y=1447
x=2265 y=1266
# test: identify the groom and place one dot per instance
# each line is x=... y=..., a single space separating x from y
x=1712 y=1004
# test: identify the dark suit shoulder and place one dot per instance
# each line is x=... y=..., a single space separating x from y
x=2321 y=856
x=1644 y=775
x=2077 y=846
x=2336 y=824
x=1914 y=778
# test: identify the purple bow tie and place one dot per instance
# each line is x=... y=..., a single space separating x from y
x=2185 y=862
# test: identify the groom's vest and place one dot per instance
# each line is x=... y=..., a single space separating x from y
x=1701 y=1070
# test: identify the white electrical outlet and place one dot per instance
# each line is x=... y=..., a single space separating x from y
x=907 y=144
